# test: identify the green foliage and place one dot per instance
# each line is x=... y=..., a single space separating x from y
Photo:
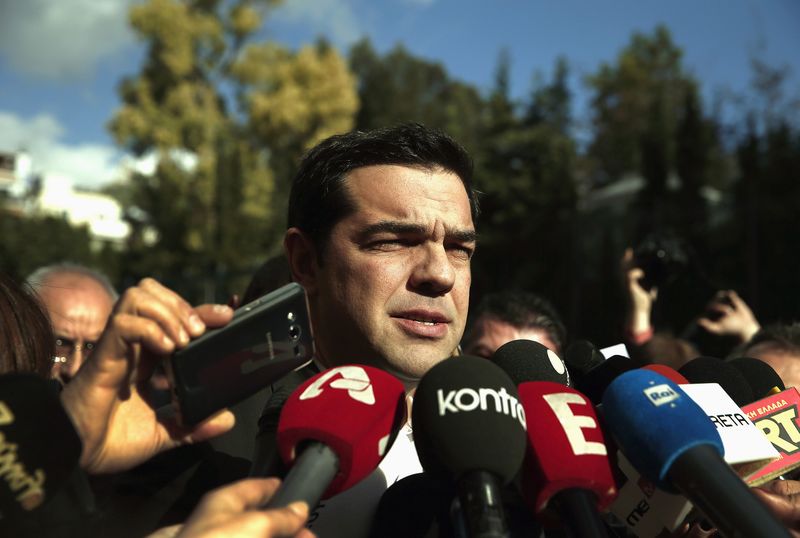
x=28 y=243
x=551 y=220
x=398 y=87
x=635 y=108
x=224 y=118
x=525 y=169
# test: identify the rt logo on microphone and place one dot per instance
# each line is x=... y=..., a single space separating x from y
x=354 y=380
x=661 y=394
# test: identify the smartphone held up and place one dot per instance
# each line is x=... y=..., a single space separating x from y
x=266 y=339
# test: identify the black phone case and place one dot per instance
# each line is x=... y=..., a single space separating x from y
x=265 y=340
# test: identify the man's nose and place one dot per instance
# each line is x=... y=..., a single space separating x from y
x=433 y=272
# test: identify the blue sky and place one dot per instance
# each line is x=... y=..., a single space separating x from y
x=60 y=61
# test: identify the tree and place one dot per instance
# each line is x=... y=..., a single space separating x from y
x=399 y=87
x=224 y=117
x=635 y=105
x=525 y=170
x=31 y=242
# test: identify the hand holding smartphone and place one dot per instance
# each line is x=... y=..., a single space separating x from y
x=265 y=340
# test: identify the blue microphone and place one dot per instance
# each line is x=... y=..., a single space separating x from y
x=671 y=441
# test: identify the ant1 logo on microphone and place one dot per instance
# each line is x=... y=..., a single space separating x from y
x=661 y=394
x=466 y=399
x=354 y=380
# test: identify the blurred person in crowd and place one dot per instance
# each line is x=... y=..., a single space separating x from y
x=149 y=322
x=270 y=275
x=78 y=301
x=643 y=342
x=513 y=315
x=779 y=346
x=729 y=316
x=26 y=339
x=117 y=425
x=725 y=316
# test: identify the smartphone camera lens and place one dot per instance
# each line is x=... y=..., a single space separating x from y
x=294 y=332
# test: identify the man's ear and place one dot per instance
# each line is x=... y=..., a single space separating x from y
x=302 y=256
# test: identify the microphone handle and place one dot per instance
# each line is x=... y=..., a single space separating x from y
x=578 y=511
x=706 y=480
x=309 y=477
x=481 y=505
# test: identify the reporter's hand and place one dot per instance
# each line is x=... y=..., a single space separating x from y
x=639 y=300
x=107 y=399
x=233 y=511
x=781 y=497
x=732 y=317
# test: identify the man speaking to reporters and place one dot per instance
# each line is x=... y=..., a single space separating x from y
x=380 y=234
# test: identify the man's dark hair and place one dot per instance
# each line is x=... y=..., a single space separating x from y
x=521 y=309
x=319 y=199
x=782 y=337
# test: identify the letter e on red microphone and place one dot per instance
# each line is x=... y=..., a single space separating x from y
x=567 y=447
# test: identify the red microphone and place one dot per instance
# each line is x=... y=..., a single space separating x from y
x=566 y=466
x=335 y=429
x=670 y=373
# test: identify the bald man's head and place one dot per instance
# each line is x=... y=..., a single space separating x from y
x=78 y=304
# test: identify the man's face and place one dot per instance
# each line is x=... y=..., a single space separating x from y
x=393 y=287
x=78 y=308
x=491 y=333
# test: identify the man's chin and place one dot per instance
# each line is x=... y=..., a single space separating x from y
x=410 y=369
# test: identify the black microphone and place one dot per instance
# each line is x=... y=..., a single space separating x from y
x=417 y=506
x=713 y=370
x=469 y=428
x=761 y=377
x=581 y=356
x=39 y=447
x=594 y=383
x=526 y=360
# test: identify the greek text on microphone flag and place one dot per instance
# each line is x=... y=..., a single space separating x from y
x=567 y=448
x=777 y=417
x=356 y=410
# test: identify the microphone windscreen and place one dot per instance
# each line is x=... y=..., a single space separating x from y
x=526 y=360
x=761 y=377
x=355 y=410
x=466 y=417
x=713 y=370
x=670 y=373
x=653 y=421
x=39 y=446
x=581 y=356
x=566 y=449
x=414 y=507
x=593 y=384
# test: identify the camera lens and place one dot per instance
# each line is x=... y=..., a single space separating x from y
x=294 y=332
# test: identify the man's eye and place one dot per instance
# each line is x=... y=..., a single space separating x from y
x=388 y=244
x=462 y=250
